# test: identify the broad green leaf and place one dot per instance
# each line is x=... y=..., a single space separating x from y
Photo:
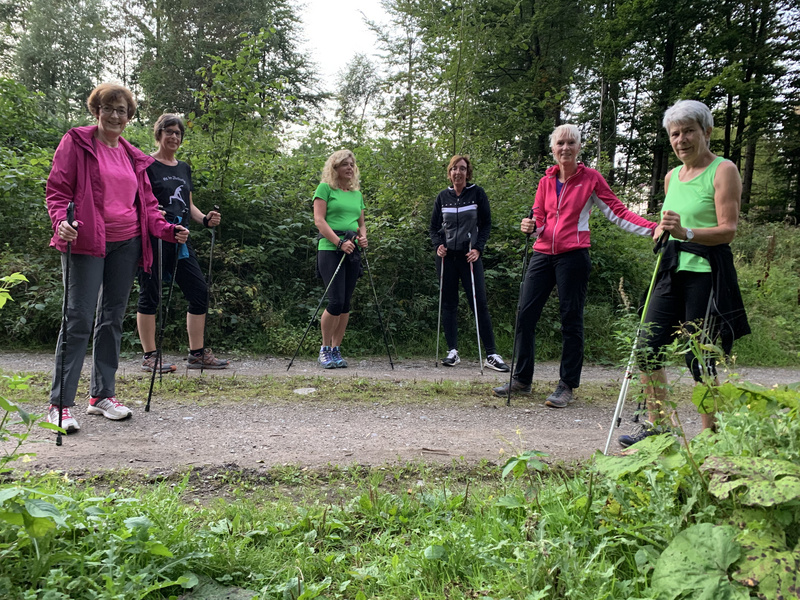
x=159 y=549
x=14 y=518
x=8 y=493
x=768 y=565
x=511 y=501
x=39 y=526
x=435 y=552
x=647 y=452
x=134 y=523
x=695 y=565
x=768 y=481
x=41 y=508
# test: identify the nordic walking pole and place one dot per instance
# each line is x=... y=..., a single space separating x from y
x=475 y=305
x=519 y=306
x=439 y=321
x=325 y=293
x=378 y=308
x=208 y=284
x=160 y=341
x=623 y=392
x=157 y=365
x=65 y=321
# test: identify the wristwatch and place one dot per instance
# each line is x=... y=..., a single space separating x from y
x=689 y=235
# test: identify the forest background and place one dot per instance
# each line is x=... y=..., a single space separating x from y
x=490 y=78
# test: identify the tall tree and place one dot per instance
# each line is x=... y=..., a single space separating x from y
x=176 y=39
x=358 y=87
x=63 y=62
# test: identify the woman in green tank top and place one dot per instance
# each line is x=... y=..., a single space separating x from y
x=697 y=277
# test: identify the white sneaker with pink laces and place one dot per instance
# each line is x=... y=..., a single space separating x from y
x=68 y=422
x=110 y=408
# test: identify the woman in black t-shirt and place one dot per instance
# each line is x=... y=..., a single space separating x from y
x=172 y=186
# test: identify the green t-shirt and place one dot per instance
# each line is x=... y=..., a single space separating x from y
x=693 y=200
x=344 y=210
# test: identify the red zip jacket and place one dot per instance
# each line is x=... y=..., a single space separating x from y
x=75 y=177
x=563 y=222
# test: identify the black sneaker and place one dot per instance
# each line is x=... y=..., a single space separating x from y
x=517 y=387
x=451 y=360
x=560 y=397
x=495 y=361
x=643 y=431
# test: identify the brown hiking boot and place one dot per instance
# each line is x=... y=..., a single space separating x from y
x=206 y=361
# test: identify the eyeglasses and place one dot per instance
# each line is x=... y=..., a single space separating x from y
x=107 y=110
x=172 y=132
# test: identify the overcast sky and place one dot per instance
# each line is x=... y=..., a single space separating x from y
x=336 y=32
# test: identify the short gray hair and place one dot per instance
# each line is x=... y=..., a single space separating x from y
x=685 y=111
x=568 y=131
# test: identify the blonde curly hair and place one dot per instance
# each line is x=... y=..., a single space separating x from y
x=329 y=174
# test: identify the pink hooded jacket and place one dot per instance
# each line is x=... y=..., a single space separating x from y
x=75 y=177
x=563 y=222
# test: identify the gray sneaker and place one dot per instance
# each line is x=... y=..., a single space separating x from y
x=560 y=397
x=517 y=387
x=110 y=408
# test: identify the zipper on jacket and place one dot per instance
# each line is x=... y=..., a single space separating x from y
x=558 y=209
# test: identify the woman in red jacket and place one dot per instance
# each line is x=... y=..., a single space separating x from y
x=564 y=199
x=105 y=177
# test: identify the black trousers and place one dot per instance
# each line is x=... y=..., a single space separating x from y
x=456 y=268
x=569 y=273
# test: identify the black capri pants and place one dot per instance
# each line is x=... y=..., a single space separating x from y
x=341 y=290
x=189 y=278
x=680 y=298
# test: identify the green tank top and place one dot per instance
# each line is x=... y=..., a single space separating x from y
x=693 y=200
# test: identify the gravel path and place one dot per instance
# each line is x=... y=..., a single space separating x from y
x=316 y=432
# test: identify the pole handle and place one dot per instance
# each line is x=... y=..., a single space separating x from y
x=661 y=241
x=71 y=214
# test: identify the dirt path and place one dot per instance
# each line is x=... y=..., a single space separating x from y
x=312 y=431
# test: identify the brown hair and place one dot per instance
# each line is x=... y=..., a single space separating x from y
x=168 y=120
x=457 y=158
x=105 y=93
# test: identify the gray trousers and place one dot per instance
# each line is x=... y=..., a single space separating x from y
x=98 y=292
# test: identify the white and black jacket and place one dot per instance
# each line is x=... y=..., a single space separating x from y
x=456 y=216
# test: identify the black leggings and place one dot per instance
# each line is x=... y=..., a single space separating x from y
x=189 y=278
x=679 y=299
x=456 y=268
x=341 y=291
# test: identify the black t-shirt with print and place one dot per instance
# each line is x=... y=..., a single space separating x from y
x=171 y=187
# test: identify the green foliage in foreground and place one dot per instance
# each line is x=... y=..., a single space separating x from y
x=715 y=518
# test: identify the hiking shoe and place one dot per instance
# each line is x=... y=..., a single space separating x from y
x=495 y=361
x=68 y=422
x=110 y=408
x=517 y=387
x=326 y=359
x=149 y=363
x=336 y=355
x=207 y=360
x=560 y=397
x=642 y=432
x=452 y=359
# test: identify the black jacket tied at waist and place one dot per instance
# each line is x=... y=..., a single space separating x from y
x=727 y=305
x=353 y=257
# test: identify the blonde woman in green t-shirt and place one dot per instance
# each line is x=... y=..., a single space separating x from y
x=697 y=278
x=339 y=216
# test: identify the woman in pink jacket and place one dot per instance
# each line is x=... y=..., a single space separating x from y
x=564 y=199
x=104 y=176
